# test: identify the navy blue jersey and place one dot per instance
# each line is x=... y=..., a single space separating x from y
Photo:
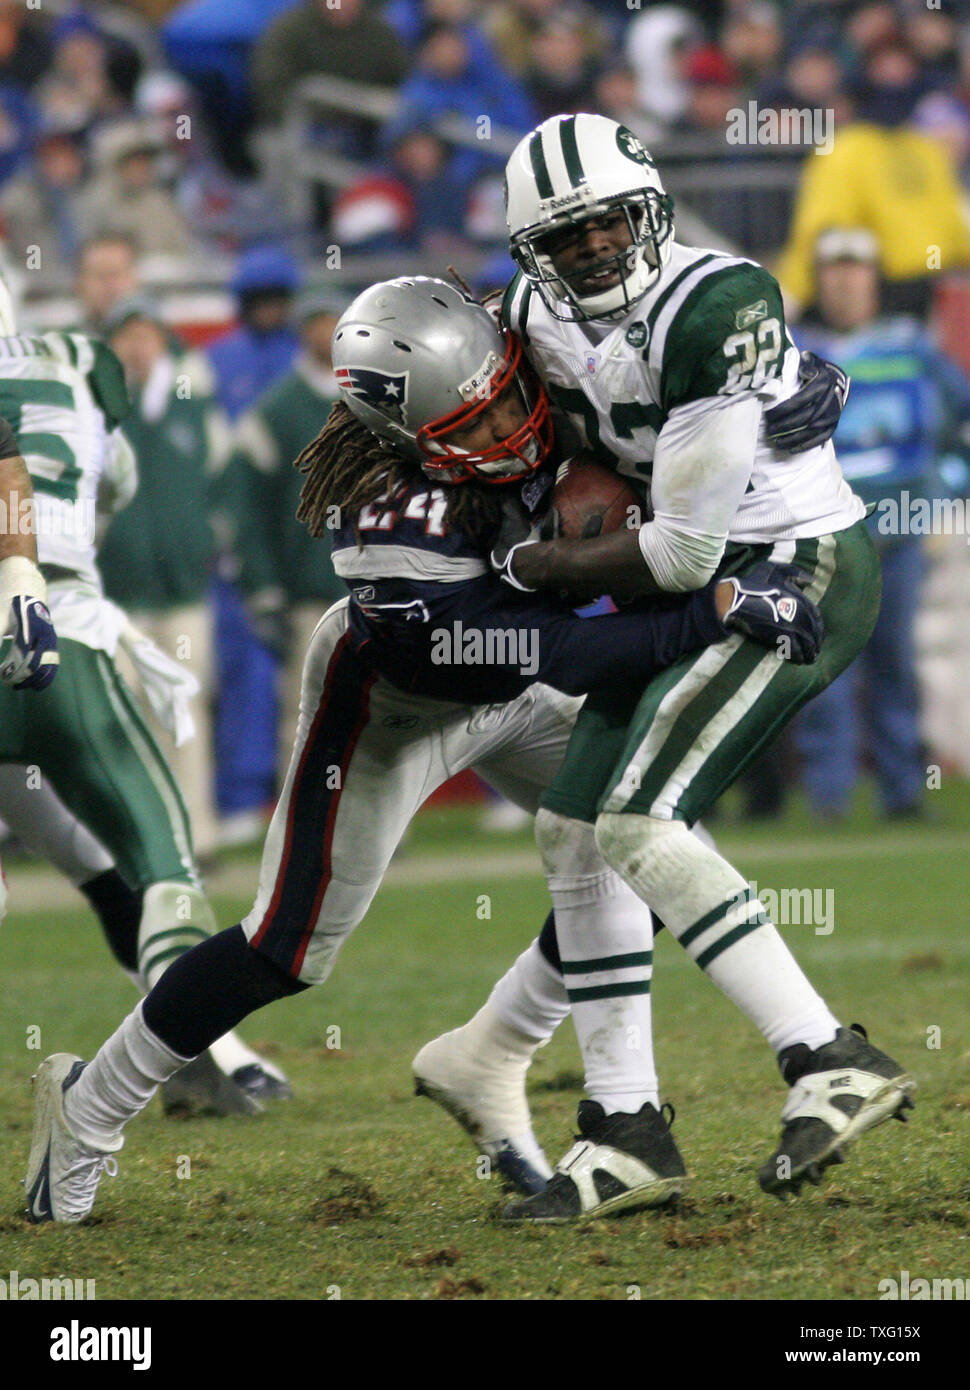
x=428 y=613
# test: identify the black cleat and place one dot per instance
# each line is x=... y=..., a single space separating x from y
x=261 y=1084
x=619 y=1162
x=838 y=1091
x=200 y=1088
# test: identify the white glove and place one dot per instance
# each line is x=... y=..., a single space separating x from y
x=168 y=685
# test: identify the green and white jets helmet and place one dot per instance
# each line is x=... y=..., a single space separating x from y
x=576 y=167
x=415 y=360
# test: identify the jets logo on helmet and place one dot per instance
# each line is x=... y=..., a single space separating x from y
x=569 y=171
x=630 y=145
x=384 y=391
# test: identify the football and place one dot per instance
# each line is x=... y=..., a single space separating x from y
x=585 y=492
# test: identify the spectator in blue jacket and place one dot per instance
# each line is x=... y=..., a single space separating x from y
x=249 y=358
x=905 y=396
x=457 y=74
x=18 y=124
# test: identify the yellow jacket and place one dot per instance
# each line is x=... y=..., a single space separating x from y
x=897 y=183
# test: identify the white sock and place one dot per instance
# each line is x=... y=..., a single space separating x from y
x=531 y=998
x=605 y=942
x=230 y=1053
x=712 y=912
x=490 y=1063
x=119 y=1082
x=489 y=1039
x=174 y=918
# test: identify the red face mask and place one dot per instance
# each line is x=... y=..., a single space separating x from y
x=523 y=451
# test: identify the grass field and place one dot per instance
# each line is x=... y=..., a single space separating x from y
x=359 y=1187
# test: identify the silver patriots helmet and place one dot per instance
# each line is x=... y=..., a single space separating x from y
x=416 y=360
x=576 y=167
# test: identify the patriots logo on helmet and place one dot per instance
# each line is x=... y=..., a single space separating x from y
x=385 y=391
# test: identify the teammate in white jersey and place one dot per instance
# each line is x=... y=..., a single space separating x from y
x=64 y=395
x=664 y=358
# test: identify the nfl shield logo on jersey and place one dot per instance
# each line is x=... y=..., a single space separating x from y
x=787 y=608
x=385 y=391
x=591 y=363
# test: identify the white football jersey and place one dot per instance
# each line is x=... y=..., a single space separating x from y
x=63 y=395
x=712 y=326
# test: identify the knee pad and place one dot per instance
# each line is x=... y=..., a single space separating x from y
x=576 y=872
x=643 y=850
x=568 y=847
x=175 y=917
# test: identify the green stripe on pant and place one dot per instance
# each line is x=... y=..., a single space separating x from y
x=89 y=741
x=671 y=750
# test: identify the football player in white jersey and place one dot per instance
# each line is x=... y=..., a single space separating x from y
x=664 y=357
x=64 y=396
x=28 y=656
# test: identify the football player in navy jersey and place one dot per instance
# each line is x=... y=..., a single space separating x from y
x=431 y=665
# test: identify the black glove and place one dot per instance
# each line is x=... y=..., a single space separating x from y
x=31 y=660
x=516 y=530
x=770 y=607
x=809 y=418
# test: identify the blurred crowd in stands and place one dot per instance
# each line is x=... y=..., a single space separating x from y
x=107 y=127
x=162 y=133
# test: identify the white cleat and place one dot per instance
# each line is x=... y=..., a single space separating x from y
x=62 y=1172
x=482 y=1086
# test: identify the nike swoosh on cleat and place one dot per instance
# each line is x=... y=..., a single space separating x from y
x=39 y=1196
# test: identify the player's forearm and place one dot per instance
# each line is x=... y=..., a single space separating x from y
x=17 y=537
x=702 y=466
x=612 y=564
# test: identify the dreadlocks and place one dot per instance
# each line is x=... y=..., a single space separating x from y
x=347 y=468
